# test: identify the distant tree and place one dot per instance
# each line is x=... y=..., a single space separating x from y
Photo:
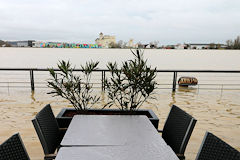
x=151 y=44
x=1 y=43
x=4 y=44
x=218 y=46
x=229 y=44
x=156 y=43
x=236 y=44
x=124 y=45
x=140 y=45
x=233 y=44
x=112 y=45
x=8 y=45
x=120 y=44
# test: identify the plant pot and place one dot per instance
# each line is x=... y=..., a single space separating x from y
x=65 y=115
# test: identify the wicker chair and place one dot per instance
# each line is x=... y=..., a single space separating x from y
x=177 y=130
x=13 y=149
x=49 y=134
x=214 y=148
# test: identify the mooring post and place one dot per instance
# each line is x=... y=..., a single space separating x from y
x=32 y=80
x=174 y=81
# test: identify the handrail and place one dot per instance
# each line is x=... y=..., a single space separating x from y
x=99 y=70
x=174 y=83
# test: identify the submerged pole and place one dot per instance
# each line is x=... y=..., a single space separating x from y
x=32 y=80
x=102 y=80
x=174 y=81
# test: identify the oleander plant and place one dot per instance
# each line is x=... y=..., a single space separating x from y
x=73 y=87
x=130 y=85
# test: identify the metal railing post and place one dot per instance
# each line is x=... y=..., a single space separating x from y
x=174 y=81
x=32 y=80
x=104 y=78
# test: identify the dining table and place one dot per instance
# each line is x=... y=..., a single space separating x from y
x=113 y=137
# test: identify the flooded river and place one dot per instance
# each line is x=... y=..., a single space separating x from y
x=214 y=102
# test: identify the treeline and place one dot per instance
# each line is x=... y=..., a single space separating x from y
x=4 y=44
x=119 y=44
x=122 y=44
x=233 y=44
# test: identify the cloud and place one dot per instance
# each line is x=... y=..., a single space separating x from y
x=169 y=22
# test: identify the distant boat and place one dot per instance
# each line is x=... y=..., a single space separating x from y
x=187 y=81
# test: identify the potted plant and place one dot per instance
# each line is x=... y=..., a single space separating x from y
x=132 y=84
x=73 y=87
x=128 y=88
x=76 y=89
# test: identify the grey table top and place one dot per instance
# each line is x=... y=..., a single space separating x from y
x=110 y=130
x=145 y=152
x=113 y=137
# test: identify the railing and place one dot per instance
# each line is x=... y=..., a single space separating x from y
x=103 y=74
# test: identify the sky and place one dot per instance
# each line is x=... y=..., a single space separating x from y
x=165 y=21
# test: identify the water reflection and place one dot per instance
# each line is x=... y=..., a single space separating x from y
x=173 y=99
x=32 y=96
x=188 y=89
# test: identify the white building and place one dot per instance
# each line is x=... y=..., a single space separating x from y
x=105 y=40
x=180 y=46
x=198 y=46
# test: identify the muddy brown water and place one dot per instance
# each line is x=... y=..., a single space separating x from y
x=216 y=111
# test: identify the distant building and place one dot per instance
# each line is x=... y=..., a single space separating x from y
x=205 y=46
x=180 y=46
x=37 y=44
x=131 y=44
x=28 y=43
x=105 y=40
x=63 y=45
x=169 y=47
x=198 y=46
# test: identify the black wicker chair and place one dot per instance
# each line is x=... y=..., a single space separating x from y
x=48 y=131
x=177 y=130
x=214 y=148
x=13 y=149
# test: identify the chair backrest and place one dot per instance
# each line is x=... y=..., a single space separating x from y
x=47 y=129
x=13 y=149
x=178 y=129
x=214 y=148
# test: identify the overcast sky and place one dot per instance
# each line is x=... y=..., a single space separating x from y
x=167 y=21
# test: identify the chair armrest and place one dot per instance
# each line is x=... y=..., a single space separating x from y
x=180 y=156
x=62 y=132
x=49 y=156
x=160 y=131
x=63 y=129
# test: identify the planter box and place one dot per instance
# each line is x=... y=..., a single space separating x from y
x=65 y=115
